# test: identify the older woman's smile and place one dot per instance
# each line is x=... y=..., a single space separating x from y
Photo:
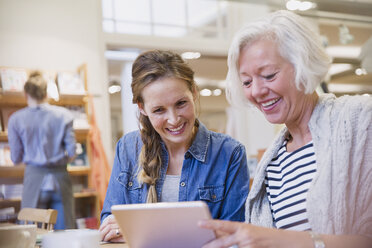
x=270 y=104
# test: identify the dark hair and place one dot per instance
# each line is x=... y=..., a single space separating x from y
x=36 y=86
x=147 y=68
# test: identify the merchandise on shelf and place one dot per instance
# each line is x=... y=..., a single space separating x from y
x=5 y=154
x=6 y=112
x=70 y=84
x=13 y=79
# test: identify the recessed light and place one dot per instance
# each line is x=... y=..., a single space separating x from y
x=205 y=92
x=191 y=55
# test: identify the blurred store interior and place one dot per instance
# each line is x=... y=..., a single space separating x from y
x=345 y=27
x=107 y=35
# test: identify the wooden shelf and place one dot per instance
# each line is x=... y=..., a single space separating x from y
x=18 y=171
x=70 y=100
x=19 y=100
x=78 y=170
x=85 y=194
x=80 y=135
x=13 y=99
x=12 y=171
x=3 y=136
x=81 y=175
x=76 y=195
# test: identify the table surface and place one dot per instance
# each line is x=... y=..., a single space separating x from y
x=42 y=231
x=114 y=245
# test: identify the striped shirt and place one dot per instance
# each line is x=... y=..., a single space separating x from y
x=288 y=178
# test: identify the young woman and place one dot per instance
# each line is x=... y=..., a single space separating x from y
x=173 y=157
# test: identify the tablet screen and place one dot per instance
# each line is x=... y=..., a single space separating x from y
x=164 y=224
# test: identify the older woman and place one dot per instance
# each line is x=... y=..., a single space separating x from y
x=313 y=185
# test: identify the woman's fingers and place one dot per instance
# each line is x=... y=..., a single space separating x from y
x=110 y=233
x=233 y=233
x=110 y=230
x=118 y=240
x=220 y=226
x=223 y=242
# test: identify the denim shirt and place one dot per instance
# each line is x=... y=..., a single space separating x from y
x=214 y=171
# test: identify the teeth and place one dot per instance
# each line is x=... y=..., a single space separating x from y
x=270 y=102
x=176 y=129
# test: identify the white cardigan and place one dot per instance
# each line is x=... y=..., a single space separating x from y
x=339 y=200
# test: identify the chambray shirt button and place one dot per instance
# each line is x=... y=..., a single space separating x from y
x=214 y=196
x=130 y=184
x=183 y=184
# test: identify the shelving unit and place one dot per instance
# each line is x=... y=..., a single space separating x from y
x=86 y=199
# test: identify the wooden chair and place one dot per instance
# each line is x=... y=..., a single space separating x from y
x=45 y=217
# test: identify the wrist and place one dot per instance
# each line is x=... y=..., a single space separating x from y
x=317 y=240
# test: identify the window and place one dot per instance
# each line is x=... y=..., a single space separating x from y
x=175 y=18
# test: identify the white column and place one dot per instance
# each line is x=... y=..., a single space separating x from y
x=246 y=124
x=129 y=110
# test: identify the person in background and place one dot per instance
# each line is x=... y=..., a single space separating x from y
x=41 y=136
x=313 y=184
x=173 y=157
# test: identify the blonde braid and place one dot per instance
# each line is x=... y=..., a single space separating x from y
x=149 y=158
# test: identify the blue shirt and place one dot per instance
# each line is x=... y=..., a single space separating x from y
x=214 y=170
x=41 y=135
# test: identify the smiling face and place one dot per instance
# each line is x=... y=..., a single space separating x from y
x=268 y=83
x=169 y=104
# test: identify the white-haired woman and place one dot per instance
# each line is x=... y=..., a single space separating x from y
x=313 y=185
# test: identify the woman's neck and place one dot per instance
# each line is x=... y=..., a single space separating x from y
x=177 y=153
x=299 y=130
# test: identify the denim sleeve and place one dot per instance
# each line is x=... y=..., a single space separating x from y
x=15 y=143
x=237 y=186
x=113 y=195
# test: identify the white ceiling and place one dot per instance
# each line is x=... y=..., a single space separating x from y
x=330 y=14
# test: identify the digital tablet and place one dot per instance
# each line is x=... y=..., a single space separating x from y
x=164 y=224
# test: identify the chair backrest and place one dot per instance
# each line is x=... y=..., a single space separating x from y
x=46 y=217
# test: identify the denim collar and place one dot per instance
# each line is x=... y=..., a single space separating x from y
x=199 y=147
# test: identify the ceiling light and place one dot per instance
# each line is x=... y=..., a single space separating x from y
x=217 y=92
x=352 y=88
x=360 y=71
x=121 y=55
x=190 y=55
x=298 y=5
x=338 y=68
x=114 y=87
x=292 y=5
x=305 y=6
x=351 y=52
x=345 y=36
x=205 y=92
